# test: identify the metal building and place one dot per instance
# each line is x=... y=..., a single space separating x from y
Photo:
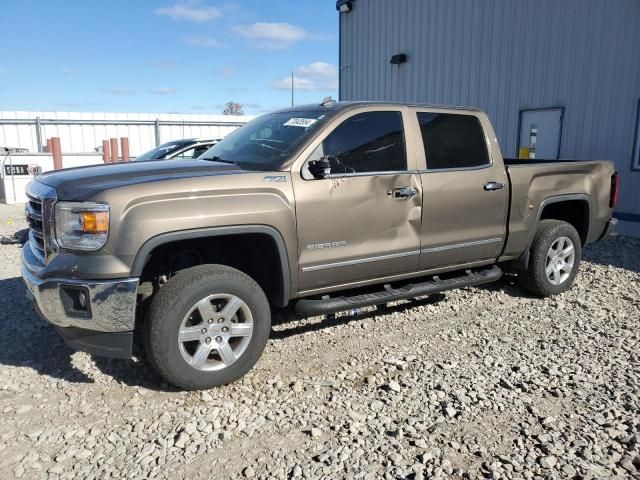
x=559 y=79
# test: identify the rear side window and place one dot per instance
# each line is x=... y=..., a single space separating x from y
x=452 y=141
x=367 y=142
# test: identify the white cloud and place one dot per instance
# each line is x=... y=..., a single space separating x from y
x=314 y=76
x=204 y=41
x=67 y=72
x=191 y=12
x=237 y=90
x=116 y=91
x=164 y=65
x=271 y=35
x=227 y=72
x=163 y=91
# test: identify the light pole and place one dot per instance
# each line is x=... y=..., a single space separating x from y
x=292 y=88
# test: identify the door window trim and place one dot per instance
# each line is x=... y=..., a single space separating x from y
x=370 y=174
x=458 y=169
x=541 y=109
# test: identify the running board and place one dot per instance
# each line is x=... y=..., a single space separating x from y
x=307 y=307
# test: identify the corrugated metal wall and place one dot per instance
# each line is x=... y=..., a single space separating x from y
x=86 y=138
x=503 y=56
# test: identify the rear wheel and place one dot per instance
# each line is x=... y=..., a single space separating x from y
x=207 y=327
x=554 y=259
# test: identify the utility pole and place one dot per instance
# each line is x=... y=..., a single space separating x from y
x=292 y=89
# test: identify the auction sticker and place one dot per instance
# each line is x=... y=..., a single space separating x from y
x=300 y=122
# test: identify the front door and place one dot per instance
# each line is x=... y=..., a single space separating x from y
x=465 y=195
x=363 y=220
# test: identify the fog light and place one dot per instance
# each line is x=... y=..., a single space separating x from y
x=75 y=301
x=82 y=300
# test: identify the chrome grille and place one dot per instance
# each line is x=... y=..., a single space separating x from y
x=36 y=227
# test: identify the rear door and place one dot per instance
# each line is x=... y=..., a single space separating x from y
x=465 y=191
x=364 y=221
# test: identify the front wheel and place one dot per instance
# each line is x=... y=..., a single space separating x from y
x=554 y=259
x=206 y=327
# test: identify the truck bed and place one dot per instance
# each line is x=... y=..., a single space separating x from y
x=537 y=183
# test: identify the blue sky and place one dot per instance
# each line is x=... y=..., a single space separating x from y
x=187 y=56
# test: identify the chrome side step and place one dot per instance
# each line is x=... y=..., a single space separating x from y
x=310 y=307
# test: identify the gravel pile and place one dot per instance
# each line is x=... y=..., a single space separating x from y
x=478 y=383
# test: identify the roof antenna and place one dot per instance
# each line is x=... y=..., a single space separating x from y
x=328 y=102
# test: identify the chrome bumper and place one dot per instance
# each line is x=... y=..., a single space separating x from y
x=112 y=302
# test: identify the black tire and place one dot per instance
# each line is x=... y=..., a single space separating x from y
x=176 y=300
x=534 y=279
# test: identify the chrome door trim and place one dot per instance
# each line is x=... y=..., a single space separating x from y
x=360 y=261
x=461 y=245
x=367 y=174
x=458 y=169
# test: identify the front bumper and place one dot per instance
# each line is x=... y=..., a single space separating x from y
x=106 y=330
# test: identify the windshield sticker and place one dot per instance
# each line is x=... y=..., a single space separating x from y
x=300 y=122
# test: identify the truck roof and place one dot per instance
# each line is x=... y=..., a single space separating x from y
x=334 y=106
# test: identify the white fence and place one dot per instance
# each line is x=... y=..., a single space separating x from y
x=16 y=170
x=84 y=131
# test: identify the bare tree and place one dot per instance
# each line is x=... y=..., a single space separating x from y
x=232 y=108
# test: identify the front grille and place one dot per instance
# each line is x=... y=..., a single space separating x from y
x=36 y=226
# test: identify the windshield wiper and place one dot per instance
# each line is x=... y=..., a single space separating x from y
x=216 y=158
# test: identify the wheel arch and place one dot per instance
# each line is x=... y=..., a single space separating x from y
x=284 y=293
x=558 y=207
x=522 y=262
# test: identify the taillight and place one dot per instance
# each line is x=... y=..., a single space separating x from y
x=615 y=189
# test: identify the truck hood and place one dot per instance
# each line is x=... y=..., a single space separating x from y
x=84 y=182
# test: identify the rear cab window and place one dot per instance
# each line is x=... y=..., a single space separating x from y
x=453 y=141
x=367 y=142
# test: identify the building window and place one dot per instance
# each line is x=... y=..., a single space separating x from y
x=453 y=141
x=636 y=144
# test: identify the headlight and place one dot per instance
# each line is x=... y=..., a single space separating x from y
x=82 y=226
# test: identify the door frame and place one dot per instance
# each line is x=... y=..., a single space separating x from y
x=542 y=109
x=635 y=160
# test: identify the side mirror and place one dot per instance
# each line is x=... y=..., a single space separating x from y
x=320 y=168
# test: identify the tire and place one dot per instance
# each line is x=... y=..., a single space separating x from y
x=546 y=275
x=180 y=308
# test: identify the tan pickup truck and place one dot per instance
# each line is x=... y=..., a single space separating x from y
x=318 y=209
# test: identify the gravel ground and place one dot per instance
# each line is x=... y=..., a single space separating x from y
x=478 y=383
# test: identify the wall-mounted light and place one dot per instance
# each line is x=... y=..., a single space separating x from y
x=399 y=58
x=344 y=6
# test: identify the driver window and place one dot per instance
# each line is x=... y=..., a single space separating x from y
x=367 y=142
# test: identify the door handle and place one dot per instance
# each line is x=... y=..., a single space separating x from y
x=491 y=186
x=402 y=193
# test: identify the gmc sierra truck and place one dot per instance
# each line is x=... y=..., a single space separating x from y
x=316 y=209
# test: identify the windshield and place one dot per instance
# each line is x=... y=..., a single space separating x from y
x=266 y=142
x=160 y=151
